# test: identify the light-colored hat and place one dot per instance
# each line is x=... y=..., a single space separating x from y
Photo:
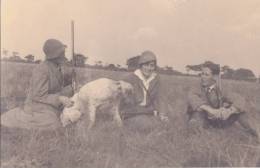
x=146 y=56
x=53 y=48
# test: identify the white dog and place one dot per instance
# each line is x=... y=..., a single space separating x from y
x=102 y=92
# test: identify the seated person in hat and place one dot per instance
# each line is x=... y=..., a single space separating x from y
x=148 y=99
x=209 y=106
x=47 y=93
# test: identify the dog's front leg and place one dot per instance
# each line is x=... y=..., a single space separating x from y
x=116 y=115
x=92 y=116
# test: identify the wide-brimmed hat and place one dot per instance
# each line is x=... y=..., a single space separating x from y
x=53 y=48
x=146 y=56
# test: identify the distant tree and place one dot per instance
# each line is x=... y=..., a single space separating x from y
x=16 y=59
x=168 y=70
x=98 y=64
x=5 y=59
x=187 y=70
x=228 y=72
x=244 y=74
x=13 y=58
x=29 y=58
x=132 y=63
x=38 y=61
x=15 y=53
x=111 y=67
x=80 y=60
x=225 y=68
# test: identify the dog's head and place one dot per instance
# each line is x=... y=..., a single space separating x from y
x=127 y=91
x=69 y=115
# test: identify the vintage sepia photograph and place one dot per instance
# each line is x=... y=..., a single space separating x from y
x=130 y=83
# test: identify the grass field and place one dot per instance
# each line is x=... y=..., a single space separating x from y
x=170 y=145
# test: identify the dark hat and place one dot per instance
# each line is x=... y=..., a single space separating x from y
x=146 y=56
x=53 y=48
x=215 y=68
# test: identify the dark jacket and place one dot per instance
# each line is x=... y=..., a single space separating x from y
x=42 y=106
x=46 y=85
x=154 y=98
x=215 y=98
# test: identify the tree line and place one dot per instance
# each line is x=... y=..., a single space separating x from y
x=80 y=60
x=228 y=73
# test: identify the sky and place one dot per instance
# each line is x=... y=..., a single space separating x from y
x=179 y=32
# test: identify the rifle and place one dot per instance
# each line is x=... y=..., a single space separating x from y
x=219 y=79
x=74 y=64
x=219 y=85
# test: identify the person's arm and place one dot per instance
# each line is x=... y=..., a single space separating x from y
x=160 y=102
x=212 y=113
x=40 y=90
x=195 y=100
x=198 y=103
x=204 y=107
x=40 y=86
x=67 y=91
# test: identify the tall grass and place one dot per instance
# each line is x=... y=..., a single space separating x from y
x=168 y=145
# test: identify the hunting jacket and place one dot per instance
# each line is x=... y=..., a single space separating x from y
x=215 y=98
x=42 y=106
x=46 y=85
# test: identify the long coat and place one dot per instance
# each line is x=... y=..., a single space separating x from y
x=42 y=107
x=155 y=100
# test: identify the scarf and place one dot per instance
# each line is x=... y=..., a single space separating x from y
x=146 y=84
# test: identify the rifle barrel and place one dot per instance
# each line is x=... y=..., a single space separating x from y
x=74 y=82
x=72 y=42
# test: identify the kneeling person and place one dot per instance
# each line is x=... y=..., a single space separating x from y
x=47 y=94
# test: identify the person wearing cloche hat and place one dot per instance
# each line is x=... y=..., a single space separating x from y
x=47 y=94
x=149 y=103
x=53 y=49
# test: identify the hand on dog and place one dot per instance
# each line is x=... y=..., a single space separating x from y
x=65 y=101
